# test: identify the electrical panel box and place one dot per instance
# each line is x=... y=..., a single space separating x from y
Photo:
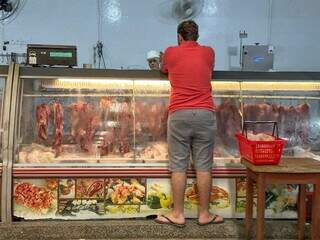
x=257 y=58
x=51 y=55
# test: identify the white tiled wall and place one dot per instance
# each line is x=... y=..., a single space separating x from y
x=130 y=28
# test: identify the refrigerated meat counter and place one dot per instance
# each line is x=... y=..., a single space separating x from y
x=90 y=144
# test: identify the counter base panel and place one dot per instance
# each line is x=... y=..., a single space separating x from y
x=76 y=198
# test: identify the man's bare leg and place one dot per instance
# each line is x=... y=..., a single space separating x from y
x=204 y=184
x=178 y=185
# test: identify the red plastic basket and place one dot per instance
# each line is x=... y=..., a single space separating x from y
x=261 y=152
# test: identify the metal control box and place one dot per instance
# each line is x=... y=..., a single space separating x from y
x=257 y=58
x=51 y=55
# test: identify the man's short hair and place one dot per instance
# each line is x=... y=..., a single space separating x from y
x=188 y=30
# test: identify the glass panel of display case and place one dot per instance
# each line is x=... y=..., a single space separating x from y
x=226 y=98
x=75 y=121
x=151 y=103
x=2 y=87
x=294 y=106
x=151 y=100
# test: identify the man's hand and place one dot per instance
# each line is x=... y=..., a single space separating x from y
x=161 y=56
x=163 y=67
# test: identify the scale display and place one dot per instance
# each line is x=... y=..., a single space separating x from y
x=52 y=55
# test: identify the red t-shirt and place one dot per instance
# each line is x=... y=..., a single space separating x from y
x=190 y=67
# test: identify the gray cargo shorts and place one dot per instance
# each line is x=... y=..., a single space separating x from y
x=191 y=132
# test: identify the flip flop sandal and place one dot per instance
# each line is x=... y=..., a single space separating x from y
x=213 y=221
x=169 y=222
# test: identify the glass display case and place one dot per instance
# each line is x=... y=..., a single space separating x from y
x=75 y=121
x=82 y=136
x=119 y=117
x=103 y=121
x=294 y=105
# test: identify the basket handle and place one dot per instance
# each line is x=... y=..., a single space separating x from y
x=274 y=129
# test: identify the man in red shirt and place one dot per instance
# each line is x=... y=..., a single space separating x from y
x=191 y=122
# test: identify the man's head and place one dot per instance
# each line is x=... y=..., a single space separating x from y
x=153 y=58
x=187 y=31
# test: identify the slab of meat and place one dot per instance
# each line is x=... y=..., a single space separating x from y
x=105 y=103
x=76 y=112
x=57 y=115
x=288 y=119
x=261 y=112
x=42 y=116
x=84 y=121
x=293 y=121
x=152 y=118
x=53 y=111
x=303 y=124
x=228 y=122
x=125 y=120
x=140 y=117
x=157 y=116
x=87 y=138
x=107 y=143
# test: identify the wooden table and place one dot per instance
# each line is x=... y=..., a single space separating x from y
x=300 y=171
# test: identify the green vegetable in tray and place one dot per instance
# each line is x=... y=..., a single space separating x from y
x=153 y=202
x=187 y=205
x=241 y=205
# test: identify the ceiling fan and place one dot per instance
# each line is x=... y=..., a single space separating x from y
x=8 y=8
x=180 y=10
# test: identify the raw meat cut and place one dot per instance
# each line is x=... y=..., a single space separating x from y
x=228 y=122
x=57 y=115
x=107 y=143
x=45 y=112
x=151 y=118
x=303 y=123
x=84 y=120
x=261 y=112
x=293 y=121
x=125 y=120
x=42 y=116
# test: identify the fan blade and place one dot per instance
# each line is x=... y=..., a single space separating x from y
x=179 y=10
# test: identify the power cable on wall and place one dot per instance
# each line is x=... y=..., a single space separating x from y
x=98 y=48
x=269 y=21
x=99 y=20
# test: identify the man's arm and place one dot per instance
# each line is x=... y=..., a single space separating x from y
x=164 y=61
x=213 y=59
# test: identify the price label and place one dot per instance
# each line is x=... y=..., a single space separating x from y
x=32 y=60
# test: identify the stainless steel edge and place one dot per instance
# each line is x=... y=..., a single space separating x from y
x=34 y=72
x=11 y=132
x=6 y=175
